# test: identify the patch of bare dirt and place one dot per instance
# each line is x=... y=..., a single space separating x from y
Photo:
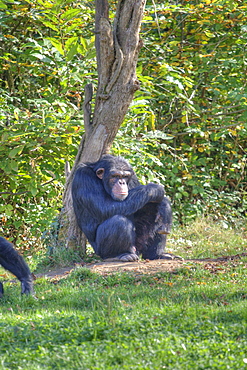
x=142 y=267
x=145 y=267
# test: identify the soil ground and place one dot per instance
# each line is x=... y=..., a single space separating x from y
x=147 y=266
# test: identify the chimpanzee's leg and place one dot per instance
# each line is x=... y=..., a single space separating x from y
x=153 y=222
x=1 y=290
x=115 y=239
x=13 y=262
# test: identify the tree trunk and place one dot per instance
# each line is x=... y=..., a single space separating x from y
x=117 y=50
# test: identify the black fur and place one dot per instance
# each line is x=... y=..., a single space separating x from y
x=120 y=228
x=13 y=262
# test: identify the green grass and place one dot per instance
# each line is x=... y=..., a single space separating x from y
x=195 y=318
x=205 y=238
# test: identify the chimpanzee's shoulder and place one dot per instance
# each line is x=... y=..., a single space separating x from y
x=83 y=169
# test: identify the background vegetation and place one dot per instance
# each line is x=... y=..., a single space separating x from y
x=186 y=127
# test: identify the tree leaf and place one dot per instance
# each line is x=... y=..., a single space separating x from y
x=15 y=151
x=58 y=45
x=70 y=14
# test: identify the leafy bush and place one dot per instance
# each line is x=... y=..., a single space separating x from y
x=186 y=127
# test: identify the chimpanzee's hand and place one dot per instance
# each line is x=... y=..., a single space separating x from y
x=156 y=192
x=27 y=286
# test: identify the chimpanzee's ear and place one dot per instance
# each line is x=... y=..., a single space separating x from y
x=100 y=173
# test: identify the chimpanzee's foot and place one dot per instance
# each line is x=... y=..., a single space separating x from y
x=128 y=257
x=169 y=256
x=125 y=257
x=131 y=256
x=27 y=286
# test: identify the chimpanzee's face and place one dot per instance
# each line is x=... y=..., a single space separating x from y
x=116 y=179
x=118 y=182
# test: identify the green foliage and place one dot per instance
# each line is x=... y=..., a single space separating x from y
x=32 y=171
x=186 y=126
x=45 y=51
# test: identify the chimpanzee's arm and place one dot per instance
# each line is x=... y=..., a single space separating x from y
x=13 y=262
x=134 y=182
x=88 y=191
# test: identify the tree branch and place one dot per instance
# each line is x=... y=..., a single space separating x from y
x=101 y=11
x=87 y=107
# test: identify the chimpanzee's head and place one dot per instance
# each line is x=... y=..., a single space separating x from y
x=115 y=172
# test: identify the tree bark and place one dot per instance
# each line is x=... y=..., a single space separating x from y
x=117 y=49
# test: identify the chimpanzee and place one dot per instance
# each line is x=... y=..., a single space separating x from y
x=121 y=218
x=13 y=262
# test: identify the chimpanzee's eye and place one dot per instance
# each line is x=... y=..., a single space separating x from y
x=113 y=178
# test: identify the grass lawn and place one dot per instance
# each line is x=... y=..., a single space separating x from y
x=195 y=318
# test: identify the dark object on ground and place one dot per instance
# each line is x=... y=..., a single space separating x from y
x=120 y=217
x=13 y=262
